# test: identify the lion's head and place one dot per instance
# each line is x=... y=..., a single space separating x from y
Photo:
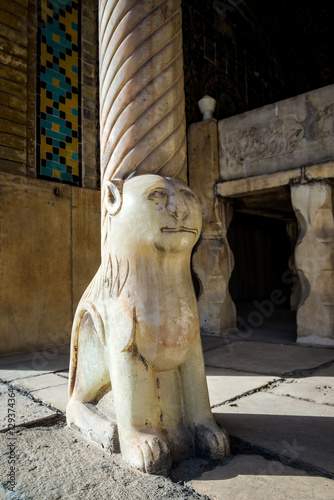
x=152 y=211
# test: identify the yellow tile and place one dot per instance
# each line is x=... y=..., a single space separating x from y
x=46 y=11
x=48 y=102
x=55 y=127
x=72 y=163
x=56 y=174
x=56 y=38
x=45 y=148
x=55 y=82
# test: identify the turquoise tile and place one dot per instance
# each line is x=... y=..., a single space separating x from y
x=65 y=130
x=55 y=90
x=50 y=119
x=61 y=3
x=52 y=165
x=66 y=177
x=55 y=135
x=46 y=171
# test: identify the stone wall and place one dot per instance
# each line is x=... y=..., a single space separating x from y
x=249 y=54
x=53 y=132
x=49 y=252
x=13 y=86
x=50 y=230
x=90 y=133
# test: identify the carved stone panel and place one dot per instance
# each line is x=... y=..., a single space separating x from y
x=289 y=134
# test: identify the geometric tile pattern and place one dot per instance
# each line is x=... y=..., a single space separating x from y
x=58 y=106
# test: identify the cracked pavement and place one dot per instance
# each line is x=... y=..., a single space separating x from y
x=275 y=400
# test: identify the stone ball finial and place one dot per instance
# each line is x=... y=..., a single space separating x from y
x=207 y=106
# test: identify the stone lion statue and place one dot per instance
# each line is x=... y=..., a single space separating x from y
x=135 y=338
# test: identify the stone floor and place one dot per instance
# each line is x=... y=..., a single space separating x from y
x=274 y=397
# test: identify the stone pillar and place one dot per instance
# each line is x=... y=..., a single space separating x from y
x=213 y=260
x=314 y=260
x=292 y=232
x=142 y=107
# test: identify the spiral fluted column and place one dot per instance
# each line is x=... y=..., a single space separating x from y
x=142 y=109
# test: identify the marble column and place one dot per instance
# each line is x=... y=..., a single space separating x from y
x=314 y=261
x=142 y=106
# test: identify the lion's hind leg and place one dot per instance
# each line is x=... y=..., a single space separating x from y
x=91 y=381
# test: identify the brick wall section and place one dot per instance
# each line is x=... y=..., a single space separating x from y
x=89 y=93
x=247 y=54
x=31 y=89
x=18 y=70
x=13 y=85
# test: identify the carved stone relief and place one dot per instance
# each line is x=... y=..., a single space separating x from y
x=323 y=127
x=286 y=135
x=278 y=138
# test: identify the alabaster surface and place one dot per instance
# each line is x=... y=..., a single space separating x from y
x=136 y=349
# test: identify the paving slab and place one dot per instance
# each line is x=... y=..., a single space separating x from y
x=224 y=384
x=56 y=396
x=50 y=388
x=41 y=362
x=285 y=427
x=213 y=342
x=53 y=463
x=35 y=354
x=39 y=382
x=319 y=389
x=327 y=371
x=274 y=359
x=252 y=477
x=15 y=358
x=20 y=408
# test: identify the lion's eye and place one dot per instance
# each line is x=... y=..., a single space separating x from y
x=156 y=194
x=188 y=194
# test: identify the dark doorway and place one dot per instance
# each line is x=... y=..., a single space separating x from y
x=260 y=284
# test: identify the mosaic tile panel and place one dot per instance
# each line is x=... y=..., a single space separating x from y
x=58 y=110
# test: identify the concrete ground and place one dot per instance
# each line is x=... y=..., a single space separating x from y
x=275 y=398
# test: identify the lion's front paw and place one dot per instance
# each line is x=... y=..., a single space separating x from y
x=212 y=441
x=147 y=452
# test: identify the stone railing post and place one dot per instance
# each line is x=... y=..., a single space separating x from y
x=213 y=260
x=314 y=261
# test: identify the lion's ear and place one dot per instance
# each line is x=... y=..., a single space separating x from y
x=114 y=196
